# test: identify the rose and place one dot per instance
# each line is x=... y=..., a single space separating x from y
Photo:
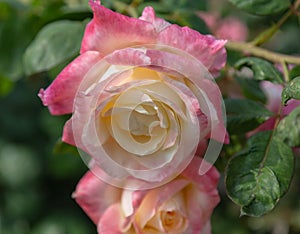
x=142 y=96
x=183 y=205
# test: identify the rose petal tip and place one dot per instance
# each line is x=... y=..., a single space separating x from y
x=42 y=96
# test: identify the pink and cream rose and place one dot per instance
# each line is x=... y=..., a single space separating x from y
x=142 y=96
x=182 y=206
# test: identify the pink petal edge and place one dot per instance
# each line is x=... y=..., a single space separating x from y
x=60 y=95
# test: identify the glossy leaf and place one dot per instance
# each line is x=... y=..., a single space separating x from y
x=294 y=72
x=262 y=69
x=289 y=128
x=260 y=175
x=54 y=44
x=244 y=115
x=291 y=91
x=262 y=7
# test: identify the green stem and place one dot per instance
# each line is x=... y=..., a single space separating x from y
x=268 y=33
x=249 y=48
x=285 y=72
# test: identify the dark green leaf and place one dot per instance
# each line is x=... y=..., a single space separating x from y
x=262 y=69
x=244 y=115
x=295 y=72
x=251 y=89
x=63 y=148
x=6 y=86
x=289 y=128
x=190 y=19
x=291 y=91
x=54 y=44
x=262 y=7
x=260 y=175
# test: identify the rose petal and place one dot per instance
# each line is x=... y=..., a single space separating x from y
x=109 y=31
x=60 y=95
x=94 y=196
x=205 y=48
x=154 y=199
x=207 y=92
x=111 y=221
x=149 y=16
x=203 y=197
x=207 y=182
x=128 y=56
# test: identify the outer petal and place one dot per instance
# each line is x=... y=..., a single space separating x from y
x=207 y=182
x=94 y=196
x=203 y=197
x=205 y=48
x=109 y=31
x=59 y=96
x=149 y=15
x=111 y=220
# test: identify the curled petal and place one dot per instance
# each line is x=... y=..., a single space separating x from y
x=109 y=31
x=203 y=196
x=207 y=182
x=205 y=48
x=149 y=16
x=94 y=196
x=60 y=95
x=113 y=221
x=128 y=56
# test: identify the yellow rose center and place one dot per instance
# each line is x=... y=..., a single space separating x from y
x=172 y=220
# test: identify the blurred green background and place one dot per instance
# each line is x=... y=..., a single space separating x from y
x=38 y=173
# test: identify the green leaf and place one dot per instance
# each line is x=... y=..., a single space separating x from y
x=244 y=115
x=262 y=69
x=294 y=72
x=262 y=7
x=54 y=44
x=190 y=19
x=291 y=91
x=260 y=175
x=251 y=89
x=288 y=129
x=6 y=85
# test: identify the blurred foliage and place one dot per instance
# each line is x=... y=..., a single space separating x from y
x=38 y=173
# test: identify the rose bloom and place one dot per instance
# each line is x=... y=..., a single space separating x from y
x=183 y=205
x=142 y=95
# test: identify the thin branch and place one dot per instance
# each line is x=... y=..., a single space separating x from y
x=268 y=33
x=251 y=49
